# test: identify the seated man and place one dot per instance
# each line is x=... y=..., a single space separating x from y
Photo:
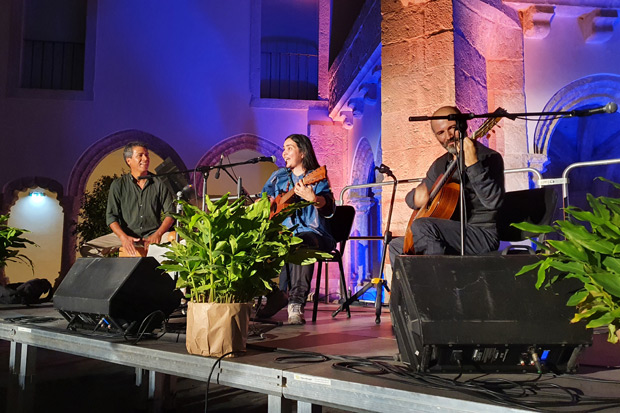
x=135 y=209
x=484 y=192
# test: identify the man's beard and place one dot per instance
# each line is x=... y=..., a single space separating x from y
x=451 y=149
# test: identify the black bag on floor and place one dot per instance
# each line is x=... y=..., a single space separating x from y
x=27 y=293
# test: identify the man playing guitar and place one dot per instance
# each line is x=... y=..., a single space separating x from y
x=484 y=192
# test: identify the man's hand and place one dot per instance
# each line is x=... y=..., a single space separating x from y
x=421 y=196
x=154 y=238
x=471 y=154
x=128 y=245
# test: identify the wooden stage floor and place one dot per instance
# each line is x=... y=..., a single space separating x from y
x=76 y=372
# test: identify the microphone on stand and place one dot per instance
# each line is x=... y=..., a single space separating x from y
x=384 y=169
x=219 y=167
x=611 y=107
x=271 y=158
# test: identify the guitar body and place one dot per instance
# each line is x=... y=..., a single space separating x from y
x=441 y=206
x=281 y=201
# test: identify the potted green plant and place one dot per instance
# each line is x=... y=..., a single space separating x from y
x=590 y=254
x=11 y=241
x=228 y=256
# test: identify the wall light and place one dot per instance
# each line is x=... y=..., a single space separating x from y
x=37 y=196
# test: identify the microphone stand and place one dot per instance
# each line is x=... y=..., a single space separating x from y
x=378 y=283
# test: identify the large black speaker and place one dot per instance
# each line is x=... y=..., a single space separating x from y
x=472 y=313
x=116 y=293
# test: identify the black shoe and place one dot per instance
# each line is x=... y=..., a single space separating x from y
x=276 y=300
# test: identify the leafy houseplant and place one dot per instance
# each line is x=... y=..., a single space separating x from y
x=231 y=253
x=591 y=256
x=11 y=241
x=92 y=223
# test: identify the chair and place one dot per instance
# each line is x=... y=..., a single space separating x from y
x=535 y=206
x=340 y=225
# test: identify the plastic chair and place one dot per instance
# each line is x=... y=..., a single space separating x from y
x=340 y=225
x=535 y=206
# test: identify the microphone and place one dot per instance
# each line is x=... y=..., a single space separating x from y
x=271 y=158
x=611 y=107
x=383 y=168
x=219 y=167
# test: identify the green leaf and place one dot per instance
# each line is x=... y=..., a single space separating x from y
x=609 y=281
x=612 y=263
x=527 y=268
x=533 y=228
x=577 y=298
x=601 y=321
x=570 y=249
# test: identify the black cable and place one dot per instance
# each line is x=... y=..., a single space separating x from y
x=217 y=362
x=144 y=325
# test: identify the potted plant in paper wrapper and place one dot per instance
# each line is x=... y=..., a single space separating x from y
x=590 y=255
x=228 y=256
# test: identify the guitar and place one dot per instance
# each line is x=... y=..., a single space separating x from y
x=444 y=194
x=283 y=200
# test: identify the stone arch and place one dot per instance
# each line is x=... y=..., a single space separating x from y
x=97 y=151
x=236 y=143
x=363 y=161
x=12 y=188
x=10 y=193
x=594 y=90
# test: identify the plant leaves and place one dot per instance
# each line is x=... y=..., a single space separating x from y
x=577 y=298
x=609 y=281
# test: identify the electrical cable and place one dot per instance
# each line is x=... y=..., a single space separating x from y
x=217 y=362
x=535 y=393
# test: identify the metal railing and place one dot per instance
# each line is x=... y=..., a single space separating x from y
x=414 y=180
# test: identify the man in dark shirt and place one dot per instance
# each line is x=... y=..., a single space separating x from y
x=484 y=192
x=135 y=207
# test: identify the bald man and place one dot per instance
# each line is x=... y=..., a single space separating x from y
x=484 y=192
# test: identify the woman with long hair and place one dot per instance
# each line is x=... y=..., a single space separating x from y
x=300 y=160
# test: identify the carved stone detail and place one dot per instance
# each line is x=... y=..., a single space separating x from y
x=597 y=26
x=536 y=21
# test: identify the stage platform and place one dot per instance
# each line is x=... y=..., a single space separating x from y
x=291 y=384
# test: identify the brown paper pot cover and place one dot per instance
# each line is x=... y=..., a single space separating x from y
x=214 y=329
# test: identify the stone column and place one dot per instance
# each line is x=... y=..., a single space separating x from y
x=360 y=259
x=417 y=78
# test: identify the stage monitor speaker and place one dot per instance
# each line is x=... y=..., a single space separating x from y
x=115 y=293
x=453 y=313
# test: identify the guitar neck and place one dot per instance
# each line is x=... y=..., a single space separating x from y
x=313 y=177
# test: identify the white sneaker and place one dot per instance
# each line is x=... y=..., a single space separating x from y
x=296 y=314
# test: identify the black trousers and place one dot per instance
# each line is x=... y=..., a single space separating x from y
x=297 y=278
x=434 y=236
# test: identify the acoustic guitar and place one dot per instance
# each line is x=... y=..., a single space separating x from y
x=444 y=195
x=283 y=200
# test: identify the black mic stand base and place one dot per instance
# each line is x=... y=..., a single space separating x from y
x=379 y=284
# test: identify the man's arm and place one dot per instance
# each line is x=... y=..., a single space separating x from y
x=487 y=179
x=113 y=213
